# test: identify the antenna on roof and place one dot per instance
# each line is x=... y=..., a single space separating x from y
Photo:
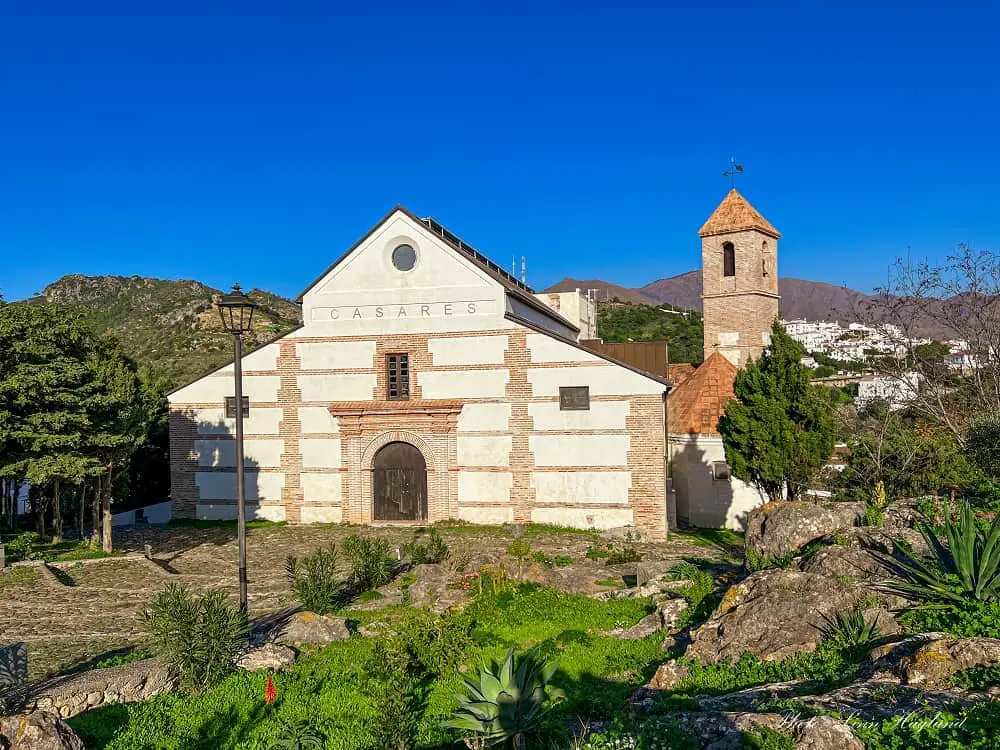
x=734 y=169
x=524 y=270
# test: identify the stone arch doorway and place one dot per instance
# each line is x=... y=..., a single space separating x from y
x=399 y=483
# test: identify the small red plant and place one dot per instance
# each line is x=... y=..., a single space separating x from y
x=270 y=691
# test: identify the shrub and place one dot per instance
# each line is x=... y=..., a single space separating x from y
x=563 y=561
x=968 y=620
x=434 y=644
x=702 y=584
x=507 y=701
x=22 y=547
x=982 y=444
x=433 y=552
x=764 y=738
x=391 y=686
x=542 y=559
x=660 y=732
x=874 y=515
x=621 y=554
x=520 y=550
x=968 y=567
x=849 y=632
x=199 y=636
x=371 y=563
x=315 y=580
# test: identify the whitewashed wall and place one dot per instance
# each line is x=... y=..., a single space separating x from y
x=701 y=500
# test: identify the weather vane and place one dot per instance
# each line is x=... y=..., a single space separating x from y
x=734 y=169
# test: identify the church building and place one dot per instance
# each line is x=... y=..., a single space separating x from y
x=426 y=383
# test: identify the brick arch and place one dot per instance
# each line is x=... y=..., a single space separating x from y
x=397 y=436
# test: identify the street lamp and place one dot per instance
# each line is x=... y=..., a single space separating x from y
x=236 y=311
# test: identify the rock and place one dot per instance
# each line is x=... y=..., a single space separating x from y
x=630 y=533
x=37 y=730
x=431 y=591
x=652 y=570
x=652 y=588
x=271 y=656
x=882 y=618
x=779 y=529
x=646 y=626
x=846 y=563
x=670 y=611
x=314 y=629
x=724 y=731
x=826 y=733
x=937 y=660
x=668 y=676
x=772 y=614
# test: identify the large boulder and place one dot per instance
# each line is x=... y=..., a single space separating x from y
x=772 y=614
x=433 y=591
x=313 y=629
x=846 y=562
x=779 y=529
x=37 y=730
x=272 y=657
x=935 y=661
x=826 y=733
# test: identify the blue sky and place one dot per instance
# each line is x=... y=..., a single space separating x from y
x=183 y=140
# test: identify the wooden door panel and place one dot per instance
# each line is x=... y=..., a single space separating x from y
x=399 y=483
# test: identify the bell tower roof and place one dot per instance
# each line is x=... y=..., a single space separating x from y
x=735 y=214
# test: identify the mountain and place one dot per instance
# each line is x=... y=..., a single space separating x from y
x=812 y=300
x=168 y=327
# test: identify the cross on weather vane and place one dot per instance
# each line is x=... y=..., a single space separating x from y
x=734 y=169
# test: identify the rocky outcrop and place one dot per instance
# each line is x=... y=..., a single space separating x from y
x=937 y=660
x=725 y=731
x=846 y=563
x=73 y=694
x=772 y=614
x=431 y=589
x=313 y=629
x=779 y=529
x=37 y=730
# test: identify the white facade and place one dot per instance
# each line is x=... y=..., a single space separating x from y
x=486 y=365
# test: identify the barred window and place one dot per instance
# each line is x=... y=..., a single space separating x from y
x=398 y=376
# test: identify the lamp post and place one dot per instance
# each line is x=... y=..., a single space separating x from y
x=236 y=311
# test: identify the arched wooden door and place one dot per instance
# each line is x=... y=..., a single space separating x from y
x=399 y=483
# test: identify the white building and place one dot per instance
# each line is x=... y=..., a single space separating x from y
x=897 y=392
x=426 y=383
x=577 y=308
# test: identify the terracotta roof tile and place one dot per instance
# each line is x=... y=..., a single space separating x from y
x=680 y=372
x=696 y=404
x=736 y=213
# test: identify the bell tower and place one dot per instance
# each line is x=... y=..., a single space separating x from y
x=739 y=269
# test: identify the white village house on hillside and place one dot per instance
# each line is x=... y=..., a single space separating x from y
x=426 y=383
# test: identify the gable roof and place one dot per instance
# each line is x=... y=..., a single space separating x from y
x=697 y=403
x=736 y=213
x=511 y=284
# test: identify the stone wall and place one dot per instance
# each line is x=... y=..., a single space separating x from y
x=70 y=695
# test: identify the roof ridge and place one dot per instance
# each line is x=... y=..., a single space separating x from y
x=735 y=213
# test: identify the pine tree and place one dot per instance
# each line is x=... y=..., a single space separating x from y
x=777 y=431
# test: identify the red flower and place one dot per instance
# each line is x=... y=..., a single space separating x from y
x=270 y=692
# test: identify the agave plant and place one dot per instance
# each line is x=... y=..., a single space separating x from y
x=848 y=631
x=507 y=700
x=968 y=566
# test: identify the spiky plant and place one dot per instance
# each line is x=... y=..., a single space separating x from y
x=315 y=580
x=848 y=631
x=968 y=566
x=507 y=700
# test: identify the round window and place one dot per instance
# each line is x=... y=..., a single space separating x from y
x=404 y=257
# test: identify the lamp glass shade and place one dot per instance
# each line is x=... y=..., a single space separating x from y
x=236 y=311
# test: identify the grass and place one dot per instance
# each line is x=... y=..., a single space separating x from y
x=615 y=583
x=21 y=575
x=330 y=685
x=70 y=551
x=720 y=538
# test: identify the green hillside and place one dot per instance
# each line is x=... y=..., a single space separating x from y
x=168 y=327
x=682 y=330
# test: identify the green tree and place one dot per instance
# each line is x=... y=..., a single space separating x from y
x=982 y=444
x=121 y=413
x=778 y=430
x=46 y=383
